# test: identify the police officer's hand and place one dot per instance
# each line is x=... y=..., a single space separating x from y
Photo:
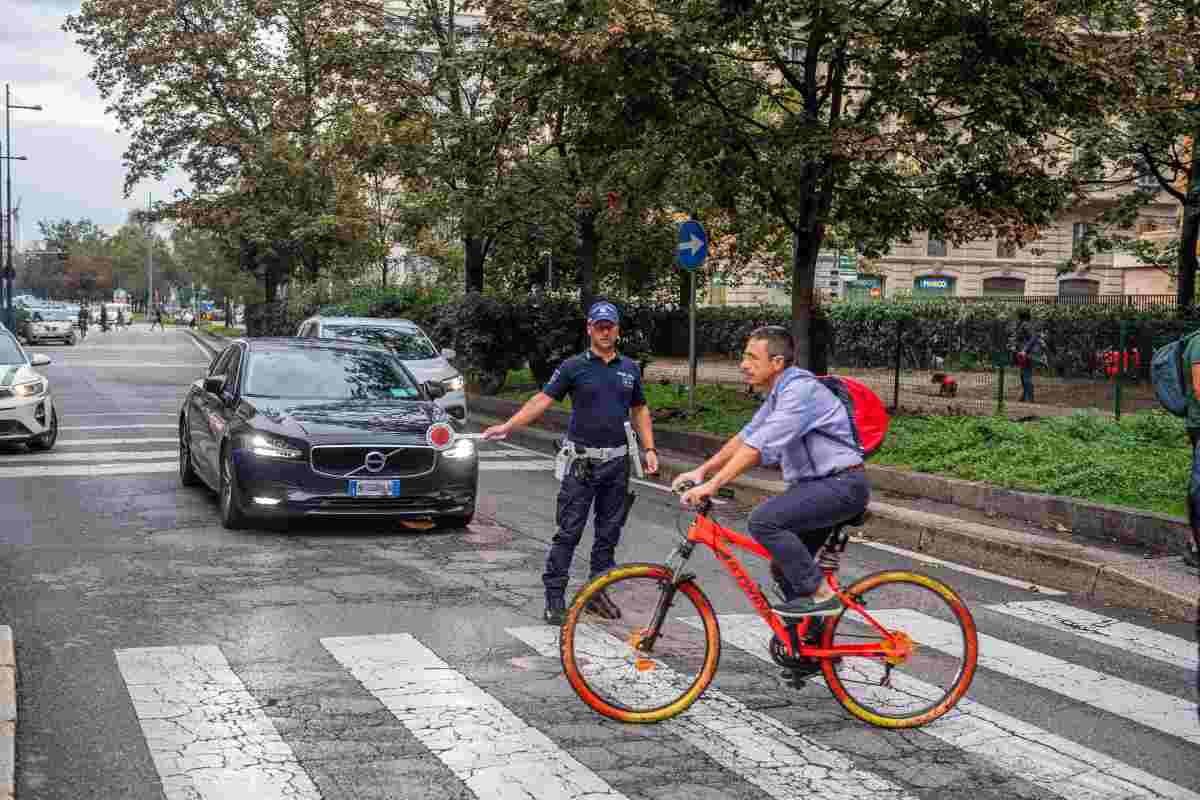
x=651 y=463
x=497 y=431
x=696 y=495
x=694 y=476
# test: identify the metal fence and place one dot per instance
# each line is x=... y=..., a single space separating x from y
x=1141 y=302
x=954 y=367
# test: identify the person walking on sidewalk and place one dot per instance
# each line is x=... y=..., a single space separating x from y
x=158 y=320
x=1191 y=358
x=805 y=427
x=606 y=391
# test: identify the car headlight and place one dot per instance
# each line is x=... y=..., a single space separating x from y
x=273 y=447
x=29 y=389
x=454 y=384
x=463 y=448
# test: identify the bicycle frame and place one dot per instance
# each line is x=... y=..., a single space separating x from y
x=717 y=538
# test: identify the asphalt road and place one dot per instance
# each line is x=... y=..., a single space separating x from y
x=162 y=656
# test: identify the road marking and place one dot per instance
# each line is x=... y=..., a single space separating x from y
x=1150 y=707
x=501 y=454
x=200 y=347
x=136 y=364
x=1164 y=647
x=86 y=470
x=761 y=750
x=106 y=457
x=112 y=427
x=121 y=414
x=979 y=573
x=1051 y=762
x=515 y=466
x=96 y=442
x=207 y=735
x=494 y=752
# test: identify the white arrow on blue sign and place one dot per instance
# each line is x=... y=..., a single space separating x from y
x=693 y=245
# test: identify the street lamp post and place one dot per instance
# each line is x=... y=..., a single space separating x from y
x=9 y=272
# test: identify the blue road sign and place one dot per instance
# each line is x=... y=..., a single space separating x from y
x=693 y=245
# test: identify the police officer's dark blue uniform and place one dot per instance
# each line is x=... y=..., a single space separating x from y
x=603 y=393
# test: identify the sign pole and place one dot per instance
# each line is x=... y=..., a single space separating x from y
x=692 y=345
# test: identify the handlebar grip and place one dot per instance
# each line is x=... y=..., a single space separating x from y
x=686 y=486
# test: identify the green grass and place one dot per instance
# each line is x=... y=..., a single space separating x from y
x=219 y=329
x=1142 y=461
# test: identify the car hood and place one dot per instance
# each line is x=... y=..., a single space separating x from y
x=316 y=421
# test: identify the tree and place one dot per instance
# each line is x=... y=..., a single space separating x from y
x=1143 y=144
x=880 y=117
x=247 y=98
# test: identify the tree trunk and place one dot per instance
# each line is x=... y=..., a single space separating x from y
x=1189 y=233
x=805 y=245
x=473 y=253
x=585 y=254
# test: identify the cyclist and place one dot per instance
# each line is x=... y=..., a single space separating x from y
x=84 y=319
x=806 y=429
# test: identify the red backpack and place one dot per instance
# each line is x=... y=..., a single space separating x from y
x=868 y=416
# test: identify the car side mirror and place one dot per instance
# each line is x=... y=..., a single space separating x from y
x=448 y=353
x=435 y=389
x=214 y=384
x=39 y=360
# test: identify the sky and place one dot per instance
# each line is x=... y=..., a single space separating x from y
x=74 y=149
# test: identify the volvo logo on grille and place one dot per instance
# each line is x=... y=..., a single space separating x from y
x=375 y=461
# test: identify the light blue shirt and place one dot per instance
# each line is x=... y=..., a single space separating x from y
x=804 y=427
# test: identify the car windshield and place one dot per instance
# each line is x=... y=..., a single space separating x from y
x=58 y=316
x=407 y=343
x=324 y=374
x=10 y=353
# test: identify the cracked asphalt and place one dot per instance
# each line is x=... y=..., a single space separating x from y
x=160 y=656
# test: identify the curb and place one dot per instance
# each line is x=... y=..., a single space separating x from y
x=203 y=342
x=8 y=714
x=1100 y=575
x=1161 y=533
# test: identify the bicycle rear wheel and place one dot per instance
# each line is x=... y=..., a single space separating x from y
x=618 y=666
x=909 y=689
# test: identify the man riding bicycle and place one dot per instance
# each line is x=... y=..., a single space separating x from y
x=805 y=428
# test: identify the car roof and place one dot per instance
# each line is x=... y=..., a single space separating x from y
x=268 y=343
x=372 y=322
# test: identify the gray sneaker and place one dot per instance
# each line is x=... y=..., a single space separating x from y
x=808 y=607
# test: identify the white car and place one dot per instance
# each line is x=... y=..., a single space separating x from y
x=404 y=338
x=27 y=413
x=51 y=324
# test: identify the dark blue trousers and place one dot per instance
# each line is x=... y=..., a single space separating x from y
x=1027 y=384
x=1194 y=486
x=810 y=507
x=606 y=487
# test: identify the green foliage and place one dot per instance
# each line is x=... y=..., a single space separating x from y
x=1141 y=461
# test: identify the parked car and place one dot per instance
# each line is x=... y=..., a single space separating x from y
x=406 y=339
x=285 y=427
x=27 y=413
x=46 y=324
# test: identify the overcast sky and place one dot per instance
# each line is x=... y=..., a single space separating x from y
x=75 y=167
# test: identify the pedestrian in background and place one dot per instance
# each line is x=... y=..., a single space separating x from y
x=1029 y=344
x=1191 y=357
x=158 y=319
x=606 y=391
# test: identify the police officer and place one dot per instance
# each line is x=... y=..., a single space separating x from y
x=606 y=390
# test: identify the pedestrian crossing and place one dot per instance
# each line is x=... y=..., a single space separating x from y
x=120 y=456
x=209 y=738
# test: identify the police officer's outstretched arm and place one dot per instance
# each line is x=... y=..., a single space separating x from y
x=534 y=407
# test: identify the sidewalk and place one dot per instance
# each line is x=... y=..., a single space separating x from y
x=1109 y=572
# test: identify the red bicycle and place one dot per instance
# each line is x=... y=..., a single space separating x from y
x=900 y=655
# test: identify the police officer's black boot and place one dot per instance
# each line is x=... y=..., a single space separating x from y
x=556 y=610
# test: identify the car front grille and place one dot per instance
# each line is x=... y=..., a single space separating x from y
x=11 y=427
x=401 y=462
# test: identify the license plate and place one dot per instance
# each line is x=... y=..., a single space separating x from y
x=374 y=489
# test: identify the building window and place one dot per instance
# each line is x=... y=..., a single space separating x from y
x=1078 y=231
x=936 y=247
x=1006 y=249
x=1078 y=288
x=934 y=286
x=1003 y=287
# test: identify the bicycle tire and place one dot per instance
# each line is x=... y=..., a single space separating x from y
x=596 y=677
x=940 y=699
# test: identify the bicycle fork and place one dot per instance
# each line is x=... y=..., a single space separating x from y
x=666 y=597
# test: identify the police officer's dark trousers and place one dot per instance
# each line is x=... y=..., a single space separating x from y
x=783 y=524
x=605 y=483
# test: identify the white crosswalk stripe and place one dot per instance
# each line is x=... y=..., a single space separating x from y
x=782 y=762
x=86 y=470
x=1150 y=707
x=108 y=457
x=495 y=753
x=207 y=735
x=1051 y=762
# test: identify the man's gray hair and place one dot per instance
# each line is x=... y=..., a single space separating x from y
x=779 y=341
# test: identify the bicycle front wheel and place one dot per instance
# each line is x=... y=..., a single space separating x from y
x=923 y=678
x=636 y=647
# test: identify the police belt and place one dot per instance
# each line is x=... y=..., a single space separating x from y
x=599 y=453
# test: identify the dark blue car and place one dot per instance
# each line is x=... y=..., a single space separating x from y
x=317 y=427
